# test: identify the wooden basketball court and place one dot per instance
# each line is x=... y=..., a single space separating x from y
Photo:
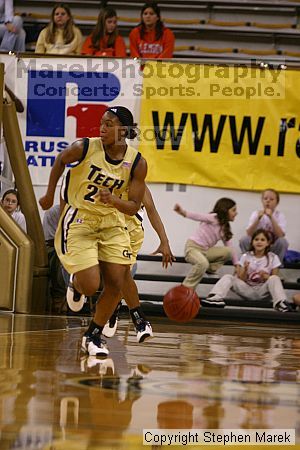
x=201 y=375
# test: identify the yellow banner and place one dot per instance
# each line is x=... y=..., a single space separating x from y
x=220 y=126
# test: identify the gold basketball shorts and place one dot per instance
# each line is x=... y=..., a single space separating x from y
x=82 y=240
x=136 y=241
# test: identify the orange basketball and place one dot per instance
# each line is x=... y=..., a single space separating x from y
x=181 y=303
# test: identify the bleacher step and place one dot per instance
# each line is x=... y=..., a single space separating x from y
x=232 y=313
x=205 y=280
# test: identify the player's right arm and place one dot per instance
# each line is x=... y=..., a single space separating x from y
x=70 y=155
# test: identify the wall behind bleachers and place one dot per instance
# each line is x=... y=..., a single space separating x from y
x=202 y=199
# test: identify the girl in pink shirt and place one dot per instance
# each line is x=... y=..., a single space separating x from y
x=200 y=249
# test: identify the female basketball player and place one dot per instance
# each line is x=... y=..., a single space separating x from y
x=92 y=229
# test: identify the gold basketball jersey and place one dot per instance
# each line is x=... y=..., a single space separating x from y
x=136 y=220
x=94 y=172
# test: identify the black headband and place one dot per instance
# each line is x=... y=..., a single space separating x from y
x=123 y=114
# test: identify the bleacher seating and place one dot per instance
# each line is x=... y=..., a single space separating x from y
x=153 y=282
x=235 y=29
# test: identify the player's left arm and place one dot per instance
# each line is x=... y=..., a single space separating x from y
x=135 y=193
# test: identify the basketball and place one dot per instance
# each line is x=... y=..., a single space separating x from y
x=181 y=303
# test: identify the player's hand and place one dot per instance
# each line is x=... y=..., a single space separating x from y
x=167 y=255
x=105 y=196
x=46 y=202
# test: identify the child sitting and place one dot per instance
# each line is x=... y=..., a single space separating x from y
x=256 y=276
x=270 y=219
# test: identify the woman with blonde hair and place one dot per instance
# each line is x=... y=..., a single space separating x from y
x=105 y=39
x=60 y=36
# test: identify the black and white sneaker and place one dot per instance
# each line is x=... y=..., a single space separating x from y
x=94 y=346
x=284 y=306
x=143 y=330
x=110 y=328
x=213 y=300
x=74 y=298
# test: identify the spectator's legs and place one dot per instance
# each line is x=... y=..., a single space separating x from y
x=243 y=289
x=222 y=287
x=217 y=256
x=13 y=41
x=276 y=290
x=195 y=256
x=280 y=247
x=3 y=29
x=245 y=243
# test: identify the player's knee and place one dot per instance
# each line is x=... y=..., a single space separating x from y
x=87 y=286
x=114 y=290
x=90 y=290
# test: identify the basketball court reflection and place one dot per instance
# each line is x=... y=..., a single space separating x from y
x=200 y=375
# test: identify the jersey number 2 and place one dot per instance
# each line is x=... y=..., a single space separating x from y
x=90 y=195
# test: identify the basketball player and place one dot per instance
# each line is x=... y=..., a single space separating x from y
x=92 y=229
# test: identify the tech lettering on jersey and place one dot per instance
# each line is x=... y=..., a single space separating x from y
x=100 y=178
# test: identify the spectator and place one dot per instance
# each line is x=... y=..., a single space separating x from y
x=200 y=250
x=271 y=220
x=10 y=203
x=61 y=36
x=105 y=39
x=151 y=39
x=58 y=286
x=256 y=276
x=12 y=35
